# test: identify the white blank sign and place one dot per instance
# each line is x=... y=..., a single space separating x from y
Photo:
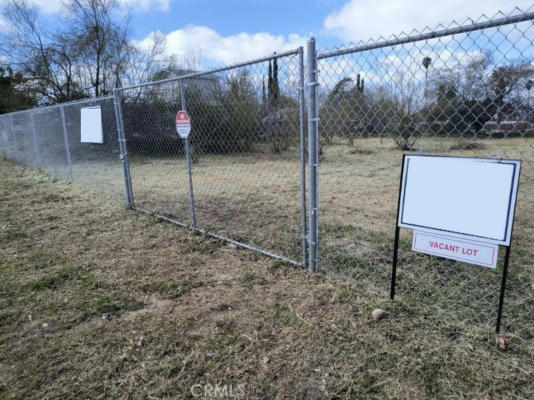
x=465 y=197
x=91 y=125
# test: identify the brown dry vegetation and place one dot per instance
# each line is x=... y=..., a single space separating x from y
x=186 y=309
x=255 y=198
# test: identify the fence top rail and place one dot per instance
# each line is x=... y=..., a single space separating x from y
x=397 y=40
x=215 y=70
x=52 y=106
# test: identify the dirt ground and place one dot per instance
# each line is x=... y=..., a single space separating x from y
x=191 y=316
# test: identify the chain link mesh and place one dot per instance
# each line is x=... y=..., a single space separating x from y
x=244 y=152
x=445 y=91
x=96 y=165
x=36 y=138
x=464 y=94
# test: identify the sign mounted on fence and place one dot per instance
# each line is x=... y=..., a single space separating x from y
x=91 y=125
x=460 y=208
x=183 y=124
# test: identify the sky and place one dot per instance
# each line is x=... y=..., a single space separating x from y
x=229 y=31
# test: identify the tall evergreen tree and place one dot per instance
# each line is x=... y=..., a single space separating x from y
x=263 y=96
x=360 y=84
x=270 y=84
x=276 y=86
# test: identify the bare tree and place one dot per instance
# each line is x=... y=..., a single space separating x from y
x=504 y=80
x=101 y=41
x=88 y=49
x=404 y=101
x=46 y=61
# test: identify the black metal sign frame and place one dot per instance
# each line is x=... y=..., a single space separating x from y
x=396 y=250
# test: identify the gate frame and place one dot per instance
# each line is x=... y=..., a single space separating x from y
x=299 y=52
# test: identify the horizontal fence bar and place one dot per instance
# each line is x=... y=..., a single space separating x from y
x=213 y=71
x=66 y=104
x=216 y=236
x=431 y=35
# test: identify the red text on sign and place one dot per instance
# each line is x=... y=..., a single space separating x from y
x=453 y=249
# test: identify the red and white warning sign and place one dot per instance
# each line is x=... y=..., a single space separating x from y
x=183 y=124
x=457 y=249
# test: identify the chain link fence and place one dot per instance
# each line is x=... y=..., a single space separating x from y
x=244 y=182
x=48 y=139
x=463 y=91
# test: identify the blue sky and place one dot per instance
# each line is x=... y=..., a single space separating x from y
x=228 y=17
x=228 y=31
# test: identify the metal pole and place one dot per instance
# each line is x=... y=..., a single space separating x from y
x=123 y=149
x=302 y=158
x=397 y=233
x=313 y=154
x=503 y=288
x=2 y=148
x=66 y=139
x=399 y=41
x=188 y=158
x=12 y=130
x=37 y=155
x=394 y=265
x=197 y=75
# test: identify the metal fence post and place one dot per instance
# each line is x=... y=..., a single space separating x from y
x=66 y=139
x=302 y=133
x=13 y=136
x=37 y=155
x=123 y=149
x=188 y=158
x=2 y=149
x=313 y=154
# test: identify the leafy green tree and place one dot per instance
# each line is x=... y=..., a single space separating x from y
x=14 y=94
x=346 y=112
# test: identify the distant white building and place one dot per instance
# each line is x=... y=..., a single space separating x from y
x=507 y=126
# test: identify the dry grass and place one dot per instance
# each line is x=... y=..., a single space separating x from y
x=255 y=198
x=358 y=200
x=189 y=310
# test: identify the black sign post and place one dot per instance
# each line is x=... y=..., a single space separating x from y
x=397 y=233
x=396 y=250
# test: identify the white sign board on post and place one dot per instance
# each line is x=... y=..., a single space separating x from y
x=459 y=208
x=91 y=125
x=471 y=198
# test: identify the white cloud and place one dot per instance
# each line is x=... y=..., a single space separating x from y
x=145 y=5
x=46 y=6
x=4 y=26
x=220 y=49
x=55 y=6
x=369 y=19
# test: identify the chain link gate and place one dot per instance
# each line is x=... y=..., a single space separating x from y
x=247 y=153
x=465 y=91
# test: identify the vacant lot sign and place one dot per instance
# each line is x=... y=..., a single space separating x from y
x=460 y=208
